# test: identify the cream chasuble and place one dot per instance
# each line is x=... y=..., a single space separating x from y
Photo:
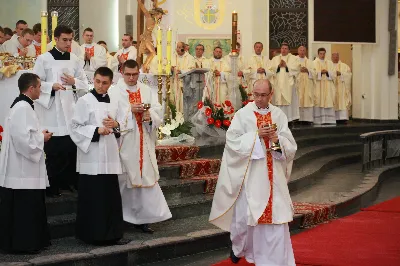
x=342 y=86
x=13 y=47
x=305 y=82
x=217 y=88
x=98 y=59
x=183 y=63
x=142 y=199
x=245 y=164
x=324 y=86
x=255 y=62
x=200 y=62
x=283 y=79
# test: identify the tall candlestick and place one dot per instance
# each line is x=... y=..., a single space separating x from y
x=128 y=7
x=54 y=20
x=234 y=31
x=43 y=45
x=159 y=50
x=169 y=51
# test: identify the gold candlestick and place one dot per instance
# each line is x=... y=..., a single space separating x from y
x=167 y=109
x=159 y=79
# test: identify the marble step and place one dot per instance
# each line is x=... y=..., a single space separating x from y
x=185 y=237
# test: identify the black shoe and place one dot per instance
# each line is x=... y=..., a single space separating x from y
x=53 y=194
x=234 y=259
x=145 y=228
x=123 y=241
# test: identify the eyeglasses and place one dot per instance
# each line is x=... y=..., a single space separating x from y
x=262 y=95
x=131 y=75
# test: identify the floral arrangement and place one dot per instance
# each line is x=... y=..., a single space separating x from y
x=218 y=115
x=177 y=126
x=1 y=137
x=245 y=96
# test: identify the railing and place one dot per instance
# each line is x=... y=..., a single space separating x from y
x=379 y=148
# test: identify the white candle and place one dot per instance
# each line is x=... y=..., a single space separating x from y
x=128 y=7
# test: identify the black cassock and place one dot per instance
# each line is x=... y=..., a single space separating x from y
x=99 y=218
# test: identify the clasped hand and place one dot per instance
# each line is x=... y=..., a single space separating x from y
x=304 y=70
x=264 y=131
x=108 y=124
x=282 y=64
x=260 y=70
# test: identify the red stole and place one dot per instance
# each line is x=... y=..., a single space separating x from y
x=38 y=50
x=266 y=217
x=90 y=51
x=135 y=97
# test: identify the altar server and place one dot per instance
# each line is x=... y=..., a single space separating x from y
x=142 y=199
x=63 y=80
x=23 y=178
x=252 y=198
x=93 y=55
x=94 y=130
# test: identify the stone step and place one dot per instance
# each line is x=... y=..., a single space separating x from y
x=64 y=225
x=196 y=167
x=172 y=189
x=166 y=154
x=317 y=140
x=173 y=238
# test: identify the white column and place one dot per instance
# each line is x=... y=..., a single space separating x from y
x=310 y=29
x=375 y=93
x=128 y=7
x=43 y=5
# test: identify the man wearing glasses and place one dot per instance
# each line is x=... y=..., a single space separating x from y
x=142 y=199
x=22 y=45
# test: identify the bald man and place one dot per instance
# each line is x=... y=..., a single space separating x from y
x=181 y=62
x=304 y=84
x=342 y=89
x=255 y=209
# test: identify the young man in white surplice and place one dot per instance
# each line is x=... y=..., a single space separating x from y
x=92 y=54
x=142 y=199
x=252 y=198
x=63 y=80
x=23 y=178
x=95 y=132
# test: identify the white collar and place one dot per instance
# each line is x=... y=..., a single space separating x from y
x=124 y=50
x=36 y=43
x=89 y=45
x=59 y=50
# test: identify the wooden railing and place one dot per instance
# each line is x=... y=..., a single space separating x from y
x=379 y=148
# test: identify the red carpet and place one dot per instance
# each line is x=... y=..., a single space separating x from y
x=367 y=238
x=392 y=205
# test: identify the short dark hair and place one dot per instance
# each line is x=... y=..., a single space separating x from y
x=134 y=42
x=23 y=22
x=217 y=48
x=322 y=49
x=8 y=31
x=105 y=72
x=37 y=28
x=129 y=64
x=130 y=36
x=258 y=43
x=26 y=80
x=27 y=31
x=62 y=29
x=285 y=44
x=199 y=44
x=102 y=42
x=87 y=29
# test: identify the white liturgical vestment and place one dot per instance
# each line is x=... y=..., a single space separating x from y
x=22 y=163
x=254 y=63
x=342 y=90
x=98 y=59
x=55 y=112
x=304 y=84
x=142 y=199
x=13 y=46
x=182 y=63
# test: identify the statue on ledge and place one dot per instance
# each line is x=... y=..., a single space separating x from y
x=146 y=45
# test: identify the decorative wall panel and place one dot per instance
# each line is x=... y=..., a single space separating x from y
x=288 y=22
x=68 y=14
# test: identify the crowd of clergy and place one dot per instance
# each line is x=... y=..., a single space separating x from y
x=63 y=135
x=308 y=90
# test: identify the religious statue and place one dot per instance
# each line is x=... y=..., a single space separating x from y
x=146 y=45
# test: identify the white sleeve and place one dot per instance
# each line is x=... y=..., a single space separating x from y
x=258 y=151
x=27 y=139
x=82 y=132
x=99 y=60
x=45 y=98
x=81 y=81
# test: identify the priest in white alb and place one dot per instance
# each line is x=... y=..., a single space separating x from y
x=23 y=178
x=21 y=45
x=217 y=78
x=304 y=84
x=93 y=55
x=258 y=66
x=181 y=62
x=95 y=131
x=63 y=80
x=127 y=52
x=252 y=198
x=200 y=60
x=342 y=88
x=143 y=201
x=324 y=112
x=284 y=70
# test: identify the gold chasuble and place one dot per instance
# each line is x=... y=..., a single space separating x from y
x=283 y=79
x=342 y=87
x=305 y=82
x=324 y=86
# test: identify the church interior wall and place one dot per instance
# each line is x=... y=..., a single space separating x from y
x=12 y=11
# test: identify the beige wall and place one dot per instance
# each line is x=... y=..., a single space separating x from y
x=345 y=53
